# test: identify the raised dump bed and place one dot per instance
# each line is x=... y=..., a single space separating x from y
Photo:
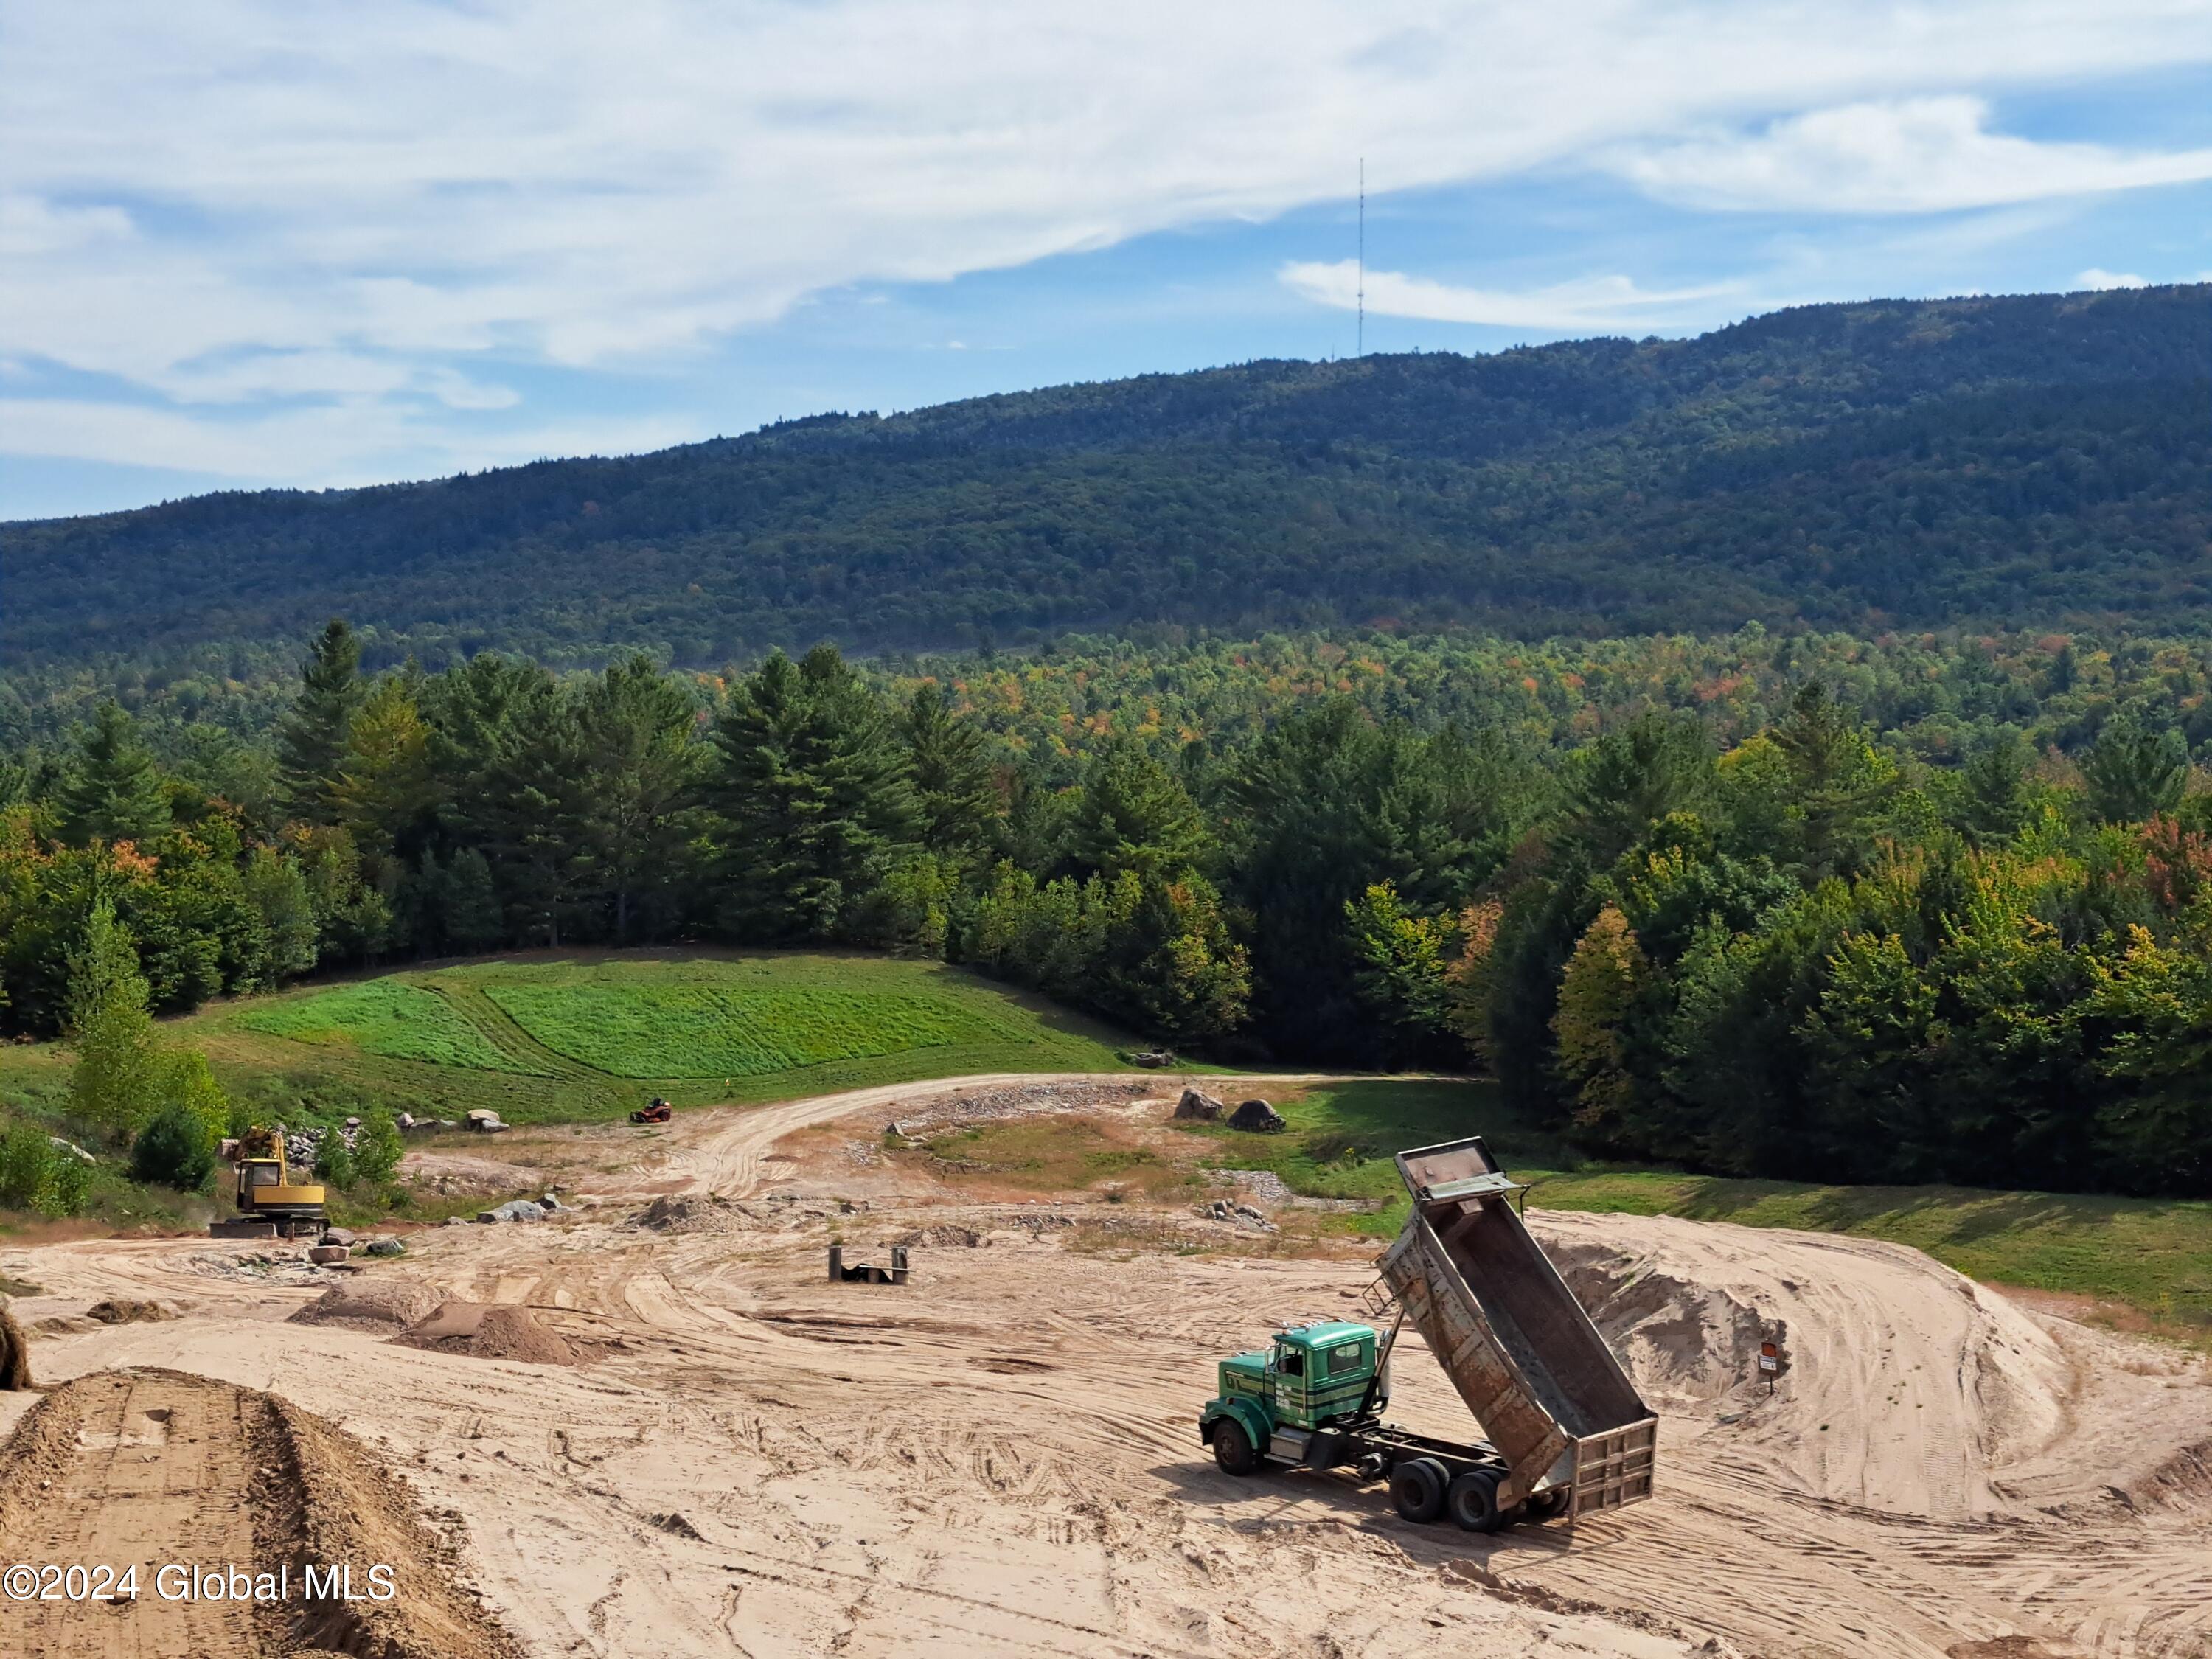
x=1524 y=1356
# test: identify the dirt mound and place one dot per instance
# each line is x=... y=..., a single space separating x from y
x=689 y=1212
x=377 y=1305
x=14 y=1354
x=2183 y=1481
x=499 y=1330
x=1684 y=1341
x=944 y=1234
x=122 y=1312
x=346 y=1506
x=111 y=1459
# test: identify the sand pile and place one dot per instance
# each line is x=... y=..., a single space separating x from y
x=499 y=1330
x=1684 y=1341
x=122 y=1312
x=690 y=1212
x=381 y=1306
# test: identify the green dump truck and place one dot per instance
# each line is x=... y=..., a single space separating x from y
x=1565 y=1431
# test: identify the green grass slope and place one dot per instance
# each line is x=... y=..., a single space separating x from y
x=585 y=1036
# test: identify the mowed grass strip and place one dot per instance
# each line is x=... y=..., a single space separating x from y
x=2150 y=1258
x=387 y=1016
x=638 y=1031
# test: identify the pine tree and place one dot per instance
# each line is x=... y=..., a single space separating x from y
x=812 y=790
x=2132 y=773
x=1136 y=815
x=471 y=916
x=952 y=776
x=634 y=728
x=113 y=1082
x=384 y=788
x=311 y=746
x=114 y=791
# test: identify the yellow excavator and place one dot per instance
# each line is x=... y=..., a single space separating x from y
x=269 y=1205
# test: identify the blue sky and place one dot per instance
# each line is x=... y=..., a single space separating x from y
x=246 y=243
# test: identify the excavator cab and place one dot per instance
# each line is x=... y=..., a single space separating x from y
x=269 y=1205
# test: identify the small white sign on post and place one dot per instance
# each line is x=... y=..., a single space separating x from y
x=1770 y=1361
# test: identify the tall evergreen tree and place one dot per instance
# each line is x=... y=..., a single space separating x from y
x=114 y=791
x=311 y=746
x=634 y=729
x=384 y=789
x=952 y=775
x=814 y=797
x=1135 y=815
x=2132 y=772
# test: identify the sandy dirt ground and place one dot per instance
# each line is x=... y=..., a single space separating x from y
x=1002 y=1457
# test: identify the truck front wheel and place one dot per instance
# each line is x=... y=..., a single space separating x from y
x=1417 y=1489
x=1232 y=1448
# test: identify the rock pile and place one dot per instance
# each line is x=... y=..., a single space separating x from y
x=1242 y=1215
x=688 y=1212
x=523 y=1209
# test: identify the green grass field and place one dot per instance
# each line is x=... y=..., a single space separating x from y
x=585 y=1036
x=387 y=1016
x=2151 y=1257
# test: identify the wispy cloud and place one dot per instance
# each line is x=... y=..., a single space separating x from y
x=281 y=224
x=1911 y=156
x=1598 y=304
x=2097 y=277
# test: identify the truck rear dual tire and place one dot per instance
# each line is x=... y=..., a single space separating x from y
x=1472 y=1502
x=1232 y=1448
x=1419 y=1487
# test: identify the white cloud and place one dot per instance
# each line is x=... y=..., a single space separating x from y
x=2097 y=277
x=1598 y=304
x=1910 y=155
x=242 y=200
x=355 y=442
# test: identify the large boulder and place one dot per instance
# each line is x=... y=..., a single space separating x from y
x=1200 y=1108
x=1257 y=1114
x=519 y=1209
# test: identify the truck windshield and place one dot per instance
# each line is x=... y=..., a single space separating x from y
x=264 y=1175
x=1344 y=1359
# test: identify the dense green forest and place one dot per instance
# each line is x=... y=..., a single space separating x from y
x=2032 y=461
x=1934 y=907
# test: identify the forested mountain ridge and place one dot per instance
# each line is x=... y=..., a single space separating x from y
x=2025 y=461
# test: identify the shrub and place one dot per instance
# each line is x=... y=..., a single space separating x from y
x=377 y=1149
x=173 y=1149
x=334 y=1160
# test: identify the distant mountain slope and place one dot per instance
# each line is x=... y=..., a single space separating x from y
x=2036 y=459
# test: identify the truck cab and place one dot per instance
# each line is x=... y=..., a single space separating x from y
x=1269 y=1401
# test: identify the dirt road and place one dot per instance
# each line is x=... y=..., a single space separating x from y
x=1001 y=1458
